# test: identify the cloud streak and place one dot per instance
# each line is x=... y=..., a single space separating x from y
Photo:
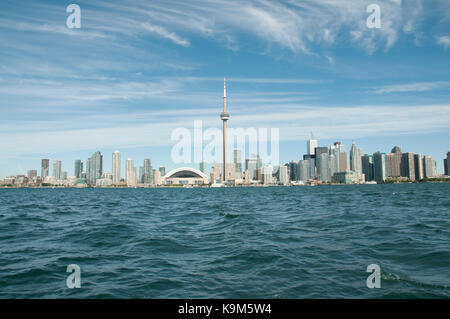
x=148 y=129
x=165 y=34
x=413 y=87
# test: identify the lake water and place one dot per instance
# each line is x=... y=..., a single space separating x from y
x=267 y=242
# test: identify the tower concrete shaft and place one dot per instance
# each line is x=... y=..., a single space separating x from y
x=224 y=117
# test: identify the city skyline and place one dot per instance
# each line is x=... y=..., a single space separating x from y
x=319 y=165
x=329 y=74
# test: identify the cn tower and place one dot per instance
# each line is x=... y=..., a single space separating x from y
x=224 y=116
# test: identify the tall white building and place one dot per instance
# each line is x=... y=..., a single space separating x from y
x=116 y=167
x=311 y=146
x=267 y=173
x=130 y=172
x=356 y=158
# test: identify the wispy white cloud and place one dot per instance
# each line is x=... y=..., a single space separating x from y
x=161 y=31
x=444 y=41
x=148 y=128
x=413 y=87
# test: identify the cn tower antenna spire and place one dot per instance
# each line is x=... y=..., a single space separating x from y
x=224 y=87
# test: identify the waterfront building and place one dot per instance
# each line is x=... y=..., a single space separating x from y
x=333 y=166
x=394 y=163
x=141 y=175
x=348 y=177
x=162 y=170
x=259 y=175
x=104 y=181
x=379 y=167
x=147 y=172
x=304 y=170
x=107 y=175
x=116 y=166
x=418 y=166
x=338 y=150
x=45 y=167
x=323 y=169
x=94 y=168
x=367 y=167
x=57 y=173
x=293 y=171
x=355 y=158
x=283 y=175
x=130 y=171
x=32 y=174
x=157 y=177
x=407 y=168
x=267 y=172
x=237 y=160
x=429 y=167
x=247 y=177
x=447 y=164
x=78 y=168
x=64 y=176
x=251 y=165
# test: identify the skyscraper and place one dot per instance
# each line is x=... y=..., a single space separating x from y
x=225 y=116
x=338 y=150
x=418 y=166
x=283 y=172
x=147 y=177
x=267 y=172
x=94 y=168
x=311 y=145
x=78 y=168
x=407 y=166
x=130 y=172
x=162 y=170
x=237 y=160
x=355 y=158
x=251 y=166
x=57 y=173
x=323 y=168
x=45 y=167
x=447 y=164
x=116 y=163
x=293 y=171
x=367 y=167
x=141 y=175
x=379 y=166
x=394 y=162
x=429 y=167
x=304 y=170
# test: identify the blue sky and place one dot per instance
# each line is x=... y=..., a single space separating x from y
x=138 y=69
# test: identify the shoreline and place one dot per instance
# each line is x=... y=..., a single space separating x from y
x=438 y=180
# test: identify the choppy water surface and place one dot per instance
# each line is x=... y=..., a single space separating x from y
x=275 y=242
